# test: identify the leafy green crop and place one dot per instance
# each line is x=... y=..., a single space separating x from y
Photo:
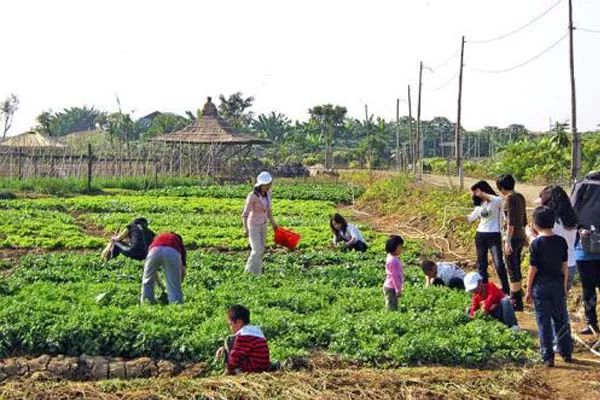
x=313 y=300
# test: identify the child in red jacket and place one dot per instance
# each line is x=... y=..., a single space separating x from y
x=489 y=298
x=247 y=349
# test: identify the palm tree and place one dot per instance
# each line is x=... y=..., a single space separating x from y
x=233 y=110
x=274 y=127
x=560 y=137
x=330 y=119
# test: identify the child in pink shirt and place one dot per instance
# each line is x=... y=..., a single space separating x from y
x=394 y=280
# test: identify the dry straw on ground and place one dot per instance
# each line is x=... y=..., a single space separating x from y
x=410 y=383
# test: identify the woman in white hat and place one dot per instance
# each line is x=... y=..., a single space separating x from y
x=256 y=213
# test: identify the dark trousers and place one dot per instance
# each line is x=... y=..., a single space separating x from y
x=455 y=283
x=491 y=241
x=123 y=248
x=549 y=300
x=513 y=261
x=358 y=246
x=589 y=273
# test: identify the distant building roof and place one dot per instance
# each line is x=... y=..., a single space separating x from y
x=210 y=129
x=30 y=139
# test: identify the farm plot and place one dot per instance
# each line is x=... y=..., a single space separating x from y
x=61 y=304
x=204 y=222
x=314 y=299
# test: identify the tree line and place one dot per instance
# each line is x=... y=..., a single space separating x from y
x=329 y=136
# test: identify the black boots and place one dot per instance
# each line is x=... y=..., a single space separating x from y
x=517 y=300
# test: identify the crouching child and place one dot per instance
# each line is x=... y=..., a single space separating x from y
x=247 y=349
x=443 y=274
x=490 y=299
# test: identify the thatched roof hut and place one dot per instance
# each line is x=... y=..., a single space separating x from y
x=210 y=129
x=30 y=139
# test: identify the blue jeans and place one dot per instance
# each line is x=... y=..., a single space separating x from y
x=169 y=260
x=505 y=312
x=552 y=317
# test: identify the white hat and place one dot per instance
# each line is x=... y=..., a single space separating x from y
x=264 y=178
x=472 y=281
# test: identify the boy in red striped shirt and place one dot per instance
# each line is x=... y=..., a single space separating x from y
x=247 y=349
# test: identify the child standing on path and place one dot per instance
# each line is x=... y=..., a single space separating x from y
x=394 y=280
x=547 y=287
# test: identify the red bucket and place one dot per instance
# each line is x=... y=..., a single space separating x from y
x=286 y=238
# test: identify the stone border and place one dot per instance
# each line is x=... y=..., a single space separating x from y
x=94 y=368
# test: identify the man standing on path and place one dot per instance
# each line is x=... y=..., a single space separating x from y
x=514 y=239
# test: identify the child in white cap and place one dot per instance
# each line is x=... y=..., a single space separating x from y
x=257 y=211
x=489 y=298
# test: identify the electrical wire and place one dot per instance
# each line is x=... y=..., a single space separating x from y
x=524 y=63
x=588 y=30
x=519 y=29
x=445 y=62
x=445 y=84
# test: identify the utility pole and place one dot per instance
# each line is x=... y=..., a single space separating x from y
x=576 y=147
x=370 y=153
x=419 y=133
x=411 y=140
x=458 y=142
x=398 y=134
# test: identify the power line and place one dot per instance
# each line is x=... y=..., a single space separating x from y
x=449 y=81
x=445 y=62
x=519 y=29
x=588 y=30
x=524 y=63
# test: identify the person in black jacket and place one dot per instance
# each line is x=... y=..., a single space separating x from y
x=132 y=242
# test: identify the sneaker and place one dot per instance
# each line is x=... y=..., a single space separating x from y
x=589 y=330
x=568 y=359
x=549 y=363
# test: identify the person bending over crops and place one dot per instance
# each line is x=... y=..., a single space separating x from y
x=489 y=298
x=515 y=237
x=547 y=287
x=247 y=349
x=443 y=274
x=167 y=252
x=348 y=235
x=394 y=280
x=488 y=210
x=257 y=211
x=132 y=242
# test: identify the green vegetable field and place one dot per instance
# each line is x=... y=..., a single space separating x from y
x=314 y=299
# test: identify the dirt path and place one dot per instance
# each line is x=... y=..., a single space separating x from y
x=531 y=192
x=579 y=380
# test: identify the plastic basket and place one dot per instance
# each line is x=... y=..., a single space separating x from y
x=285 y=237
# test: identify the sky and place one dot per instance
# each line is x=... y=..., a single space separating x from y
x=292 y=55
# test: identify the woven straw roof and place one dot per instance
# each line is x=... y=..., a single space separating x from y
x=210 y=129
x=30 y=139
